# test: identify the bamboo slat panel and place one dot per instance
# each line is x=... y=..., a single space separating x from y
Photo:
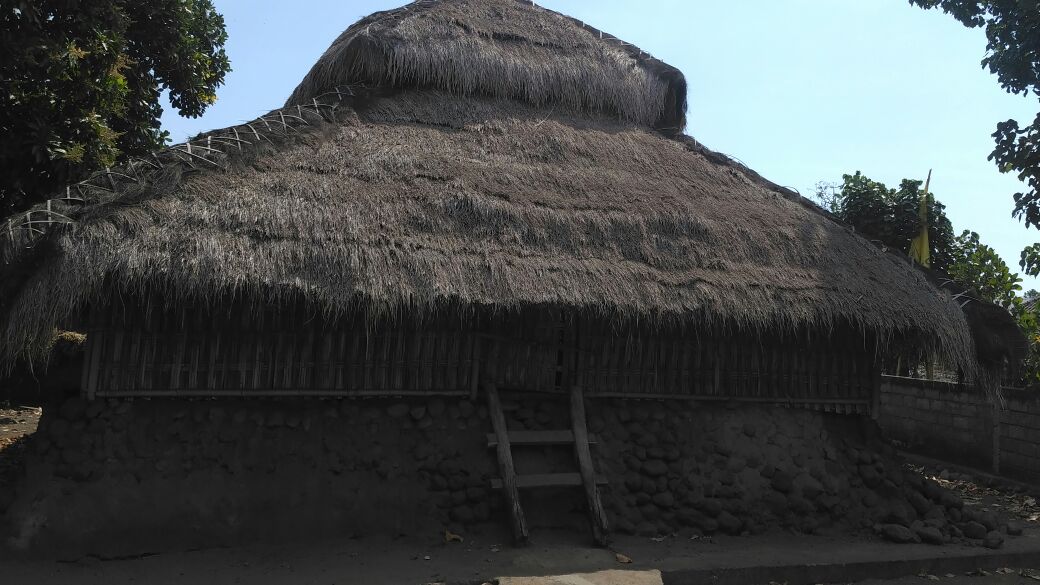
x=241 y=352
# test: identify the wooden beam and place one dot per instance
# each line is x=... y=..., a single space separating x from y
x=565 y=437
x=541 y=480
x=588 y=475
x=505 y=465
x=281 y=392
x=725 y=398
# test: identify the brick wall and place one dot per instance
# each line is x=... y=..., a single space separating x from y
x=956 y=423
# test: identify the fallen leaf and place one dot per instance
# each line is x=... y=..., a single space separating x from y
x=622 y=558
x=450 y=536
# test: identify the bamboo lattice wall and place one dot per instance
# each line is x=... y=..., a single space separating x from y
x=134 y=351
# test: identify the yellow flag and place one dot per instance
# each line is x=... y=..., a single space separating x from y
x=919 y=245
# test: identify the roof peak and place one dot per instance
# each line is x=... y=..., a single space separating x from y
x=504 y=48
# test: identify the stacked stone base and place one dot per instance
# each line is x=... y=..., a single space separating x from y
x=121 y=477
x=745 y=470
x=124 y=477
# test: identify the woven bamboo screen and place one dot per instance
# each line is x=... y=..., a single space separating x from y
x=133 y=351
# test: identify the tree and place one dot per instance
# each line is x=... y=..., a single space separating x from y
x=1027 y=314
x=979 y=268
x=889 y=215
x=1030 y=260
x=1013 y=55
x=80 y=84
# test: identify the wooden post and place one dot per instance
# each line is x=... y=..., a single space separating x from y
x=650 y=382
x=474 y=377
x=91 y=364
x=875 y=393
x=588 y=474
x=618 y=370
x=996 y=433
x=368 y=356
x=428 y=358
x=214 y=351
x=452 y=379
x=717 y=382
x=353 y=375
x=258 y=348
x=505 y=465
x=410 y=367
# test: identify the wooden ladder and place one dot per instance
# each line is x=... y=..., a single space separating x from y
x=503 y=440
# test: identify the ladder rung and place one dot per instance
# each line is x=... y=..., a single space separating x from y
x=537 y=480
x=563 y=437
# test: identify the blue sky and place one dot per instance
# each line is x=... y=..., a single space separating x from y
x=799 y=90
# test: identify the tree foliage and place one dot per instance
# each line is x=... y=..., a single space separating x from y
x=1027 y=313
x=1013 y=55
x=890 y=215
x=1029 y=261
x=80 y=84
x=979 y=268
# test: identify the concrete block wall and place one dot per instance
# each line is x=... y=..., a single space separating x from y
x=960 y=424
x=1020 y=434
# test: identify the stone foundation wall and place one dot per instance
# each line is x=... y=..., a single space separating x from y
x=121 y=477
x=750 y=469
x=124 y=477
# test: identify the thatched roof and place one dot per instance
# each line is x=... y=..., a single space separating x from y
x=508 y=49
x=480 y=153
x=997 y=334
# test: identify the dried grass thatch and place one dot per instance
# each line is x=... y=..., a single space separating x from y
x=501 y=190
x=503 y=48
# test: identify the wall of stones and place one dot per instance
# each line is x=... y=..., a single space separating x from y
x=697 y=470
x=122 y=477
x=125 y=477
x=957 y=423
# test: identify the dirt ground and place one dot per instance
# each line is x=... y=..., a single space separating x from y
x=16 y=422
x=1002 y=576
x=1003 y=497
x=481 y=558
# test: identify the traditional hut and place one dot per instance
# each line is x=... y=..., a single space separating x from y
x=461 y=198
